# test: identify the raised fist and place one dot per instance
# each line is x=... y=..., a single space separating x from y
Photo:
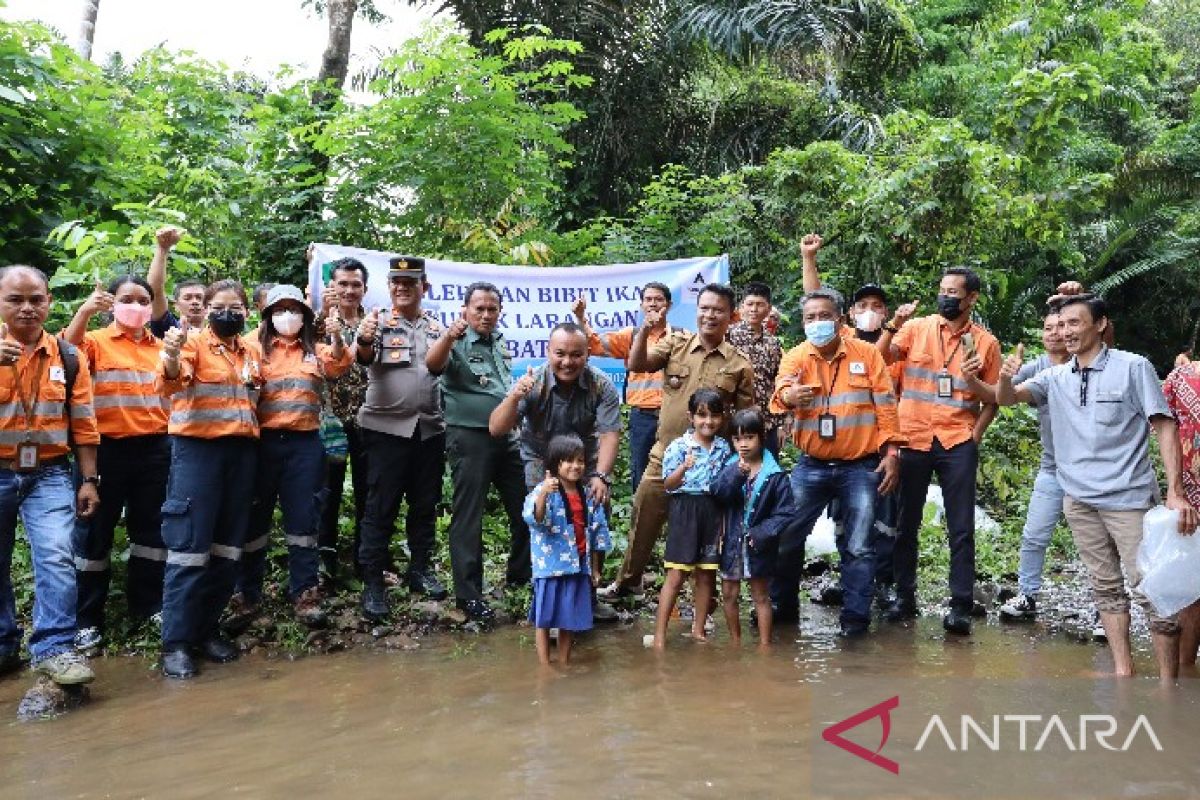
x=810 y=244
x=168 y=236
x=172 y=342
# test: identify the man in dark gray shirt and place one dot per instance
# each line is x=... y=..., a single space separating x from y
x=1102 y=404
x=403 y=433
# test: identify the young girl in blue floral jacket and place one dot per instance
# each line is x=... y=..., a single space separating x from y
x=756 y=498
x=568 y=535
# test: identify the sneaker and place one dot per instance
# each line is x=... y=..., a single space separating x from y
x=1023 y=606
x=88 y=639
x=68 y=668
x=615 y=591
x=307 y=607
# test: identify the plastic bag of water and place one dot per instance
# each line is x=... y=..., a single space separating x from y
x=1169 y=562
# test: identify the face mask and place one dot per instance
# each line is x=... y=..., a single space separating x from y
x=950 y=307
x=869 y=320
x=131 y=315
x=287 y=323
x=226 y=323
x=821 y=333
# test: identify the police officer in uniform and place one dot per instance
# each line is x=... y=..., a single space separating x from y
x=404 y=435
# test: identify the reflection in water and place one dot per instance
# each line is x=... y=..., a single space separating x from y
x=476 y=716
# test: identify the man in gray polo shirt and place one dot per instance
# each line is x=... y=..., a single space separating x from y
x=1100 y=403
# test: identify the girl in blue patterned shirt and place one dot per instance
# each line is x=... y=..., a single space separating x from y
x=689 y=465
x=567 y=539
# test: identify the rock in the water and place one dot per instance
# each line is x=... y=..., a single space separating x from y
x=429 y=610
x=454 y=616
x=380 y=631
x=398 y=641
x=46 y=699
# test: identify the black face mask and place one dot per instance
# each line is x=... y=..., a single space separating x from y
x=226 y=323
x=869 y=336
x=950 y=307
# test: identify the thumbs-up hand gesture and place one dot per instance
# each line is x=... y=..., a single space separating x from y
x=172 y=343
x=369 y=327
x=329 y=297
x=549 y=484
x=99 y=300
x=524 y=384
x=333 y=323
x=10 y=350
x=579 y=309
x=904 y=313
x=653 y=317
x=458 y=328
x=168 y=236
x=1013 y=362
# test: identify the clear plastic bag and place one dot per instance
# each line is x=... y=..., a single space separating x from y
x=1169 y=562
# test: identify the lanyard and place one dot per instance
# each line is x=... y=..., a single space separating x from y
x=30 y=406
x=942 y=345
x=837 y=367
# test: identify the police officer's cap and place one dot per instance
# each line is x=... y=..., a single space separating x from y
x=406 y=267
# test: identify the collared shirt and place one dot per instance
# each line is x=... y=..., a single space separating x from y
x=1100 y=417
x=292 y=384
x=216 y=392
x=123 y=371
x=929 y=346
x=405 y=400
x=476 y=379
x=855 y=389
x=707 y=464
x=1027 y=371
x=587 y=409
x=689 y=366
x=642 y=389
x=764 y=352
x=53 y=412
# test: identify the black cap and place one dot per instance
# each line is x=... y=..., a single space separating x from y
x=871 y=290
x=406 y=267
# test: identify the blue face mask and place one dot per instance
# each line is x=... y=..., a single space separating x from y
x=820 y=333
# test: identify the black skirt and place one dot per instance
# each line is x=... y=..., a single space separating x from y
x=693 y=530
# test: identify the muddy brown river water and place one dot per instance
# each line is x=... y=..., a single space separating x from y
x=474 y=716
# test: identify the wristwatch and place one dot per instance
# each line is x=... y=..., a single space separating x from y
x=890 y=328
x=606 y=478
x=93 y=479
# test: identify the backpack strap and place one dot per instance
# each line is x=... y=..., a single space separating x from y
x=69 y=354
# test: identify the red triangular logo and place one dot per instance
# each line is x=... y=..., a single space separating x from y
x=833 y=734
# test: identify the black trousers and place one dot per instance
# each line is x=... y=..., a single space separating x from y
x=134 y=482
x=955 y=470
x=478 y=462
x=327 y=533
x=399 y=469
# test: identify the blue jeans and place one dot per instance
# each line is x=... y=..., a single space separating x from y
x=1045 y=509
x=45 y=501
x=643 y=430
x=291 y=470
x=855 y=487
x=204 y=523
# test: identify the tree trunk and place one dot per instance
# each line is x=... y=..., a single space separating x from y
x=335 y=63
x=87 y=28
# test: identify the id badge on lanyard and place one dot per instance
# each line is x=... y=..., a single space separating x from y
x=28 y=456
x=827 y=426
x=945 y=385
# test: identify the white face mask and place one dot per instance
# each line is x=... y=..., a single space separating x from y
x=287 y=323
x=868 y=320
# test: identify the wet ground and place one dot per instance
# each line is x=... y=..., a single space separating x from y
x=473 y=715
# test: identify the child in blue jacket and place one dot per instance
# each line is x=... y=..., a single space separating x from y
x=568 y=536
x=756 y=497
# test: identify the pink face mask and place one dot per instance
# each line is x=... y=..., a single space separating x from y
x=131 y=315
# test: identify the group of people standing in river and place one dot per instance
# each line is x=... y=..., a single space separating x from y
x=193 y=432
